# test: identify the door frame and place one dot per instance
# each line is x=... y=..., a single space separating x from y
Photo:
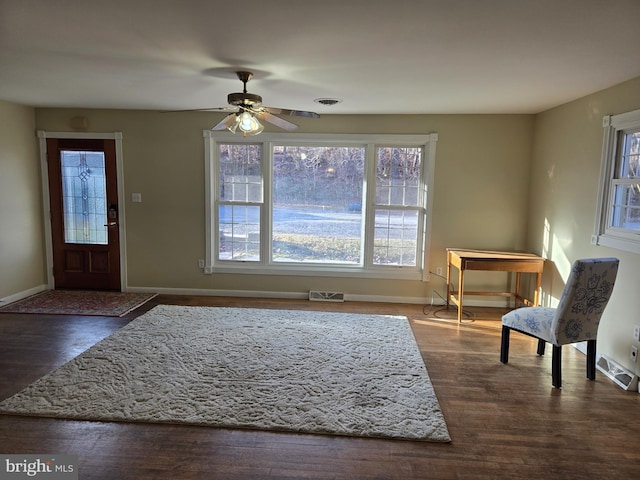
x=46 y=204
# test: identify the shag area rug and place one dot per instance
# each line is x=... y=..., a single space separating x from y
x=79 y=302
x=288 y=370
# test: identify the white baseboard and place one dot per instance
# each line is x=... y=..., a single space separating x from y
x=269 y=294
x=216 y=293
x=581 y=347
x=265 y=294
x=24 y=294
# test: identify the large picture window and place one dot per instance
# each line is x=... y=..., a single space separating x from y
x=319 y=204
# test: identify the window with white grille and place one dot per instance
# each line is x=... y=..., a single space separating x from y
x=319 y=204
x=618 y=216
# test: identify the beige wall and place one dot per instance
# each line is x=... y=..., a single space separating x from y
x=562 y=206
x=22 y=264
x=480 y=194
x=502 y=182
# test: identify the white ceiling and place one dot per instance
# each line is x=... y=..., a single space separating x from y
x=402 y=56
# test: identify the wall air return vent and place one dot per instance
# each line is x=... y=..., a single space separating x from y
x=321 y=296
x=621 y=376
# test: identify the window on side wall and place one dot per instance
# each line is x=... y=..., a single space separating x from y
x=354 y=205
x=618 y=216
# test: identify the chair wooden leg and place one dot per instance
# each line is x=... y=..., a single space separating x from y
x=541 y=345
x=556 y=363
x=504 y=346
x=591 y=359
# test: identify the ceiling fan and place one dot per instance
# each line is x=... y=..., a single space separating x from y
x=247 y=108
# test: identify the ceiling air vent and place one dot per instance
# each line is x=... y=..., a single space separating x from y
x=318 y=296
x=328 y=102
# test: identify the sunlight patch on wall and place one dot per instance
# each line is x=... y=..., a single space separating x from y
x=557 y=268
x=546 y=238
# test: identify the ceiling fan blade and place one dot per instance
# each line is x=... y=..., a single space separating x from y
x=277 y=121
x=211 y=109
x=225 y=122
x=293 y=113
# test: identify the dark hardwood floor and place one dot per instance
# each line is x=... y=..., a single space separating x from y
x=506 y=421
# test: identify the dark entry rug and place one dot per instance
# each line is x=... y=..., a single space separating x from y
x=80 y=302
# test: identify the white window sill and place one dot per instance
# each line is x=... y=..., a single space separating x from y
x=389 y=273
x=619 y=243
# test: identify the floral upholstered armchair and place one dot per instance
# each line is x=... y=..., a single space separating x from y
x=575 y=319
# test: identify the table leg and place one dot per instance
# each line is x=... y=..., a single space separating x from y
x=536 y=294
x=516 y=298
x=448 y=278
x=460 y=288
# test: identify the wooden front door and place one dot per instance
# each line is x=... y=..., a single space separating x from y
x=84 y=213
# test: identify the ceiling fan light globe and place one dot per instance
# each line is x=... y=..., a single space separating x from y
x=258 y=130
x=231 y=122
x=249 y=123
x=245 y=121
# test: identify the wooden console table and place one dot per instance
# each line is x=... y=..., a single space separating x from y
x=491 y=261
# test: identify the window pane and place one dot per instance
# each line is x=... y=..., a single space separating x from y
x=626 y=206
x=241 y=173
x=395 y=238
x=239 y=232
x=398 y=176
x=629 y=156
x=84 y=197
x=317 y=211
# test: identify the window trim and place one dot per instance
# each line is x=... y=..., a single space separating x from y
x=428 y=142
x=604 y=234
